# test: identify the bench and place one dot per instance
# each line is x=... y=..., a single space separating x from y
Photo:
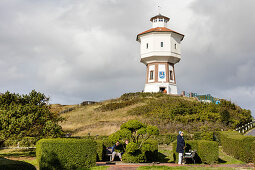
x=190 y=155
x=109 y=152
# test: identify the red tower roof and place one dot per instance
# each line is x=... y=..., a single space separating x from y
x=158 y=29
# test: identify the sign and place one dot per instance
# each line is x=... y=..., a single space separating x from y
x=162 y=75
x=217 y=102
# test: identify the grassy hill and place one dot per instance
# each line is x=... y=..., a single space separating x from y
x=169 y=113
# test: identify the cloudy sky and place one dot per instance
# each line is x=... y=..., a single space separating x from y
x=76 y=50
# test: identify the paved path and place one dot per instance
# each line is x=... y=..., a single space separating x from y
x=123 y=166
x=251 y=133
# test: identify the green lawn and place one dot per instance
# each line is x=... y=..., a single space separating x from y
x=166 y=155
x=226 y=159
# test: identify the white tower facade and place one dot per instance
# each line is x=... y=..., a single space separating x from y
x=160 y=50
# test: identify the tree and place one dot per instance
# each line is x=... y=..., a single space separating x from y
x=140 y=149
x=135 y=131
x=27 y=116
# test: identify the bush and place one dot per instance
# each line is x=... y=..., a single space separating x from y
x=147 y=153
x=203 y=136
x=28 y=142
x=166 y=139
x=7 y=164
x=150 y=150
x=117 y=105
x=24 y=142
x=66 y=153
x=237 y=145
x=206 y=151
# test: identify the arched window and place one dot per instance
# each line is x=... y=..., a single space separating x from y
x=147 y=45
x=161 y=44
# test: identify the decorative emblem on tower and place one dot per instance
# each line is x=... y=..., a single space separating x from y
x=160 y=50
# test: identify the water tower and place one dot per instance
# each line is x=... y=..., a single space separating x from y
x=160 y=50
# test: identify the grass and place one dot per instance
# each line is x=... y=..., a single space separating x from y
x=89 y=119
x=25 y=155
x=86 y=119
x=8 y=164
x=166 y=155
x=226 y=159
x=182 y=168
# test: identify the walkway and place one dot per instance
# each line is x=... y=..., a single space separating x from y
x=124 y=166
x=250 y=133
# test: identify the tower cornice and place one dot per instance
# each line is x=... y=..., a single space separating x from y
x=158 y=29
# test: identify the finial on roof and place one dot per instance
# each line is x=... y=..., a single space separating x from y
x=159 y=8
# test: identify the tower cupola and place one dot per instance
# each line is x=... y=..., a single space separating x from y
x=159 y=21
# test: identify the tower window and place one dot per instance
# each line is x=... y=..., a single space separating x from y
x=147 y=45
x=151 y=75
x=161 y=44
x=171 y=75
x=175 y=46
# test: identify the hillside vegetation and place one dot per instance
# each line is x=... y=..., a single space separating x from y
x=169 y=113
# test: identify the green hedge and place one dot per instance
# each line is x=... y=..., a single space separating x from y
x=206 y=151
x=253 y=149
x=237 y=145
x=66 y=153
x=169 y=138
x=204 y=136
x=147 y=153
x=100 y=150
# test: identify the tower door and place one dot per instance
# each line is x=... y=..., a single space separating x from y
x=161 y=89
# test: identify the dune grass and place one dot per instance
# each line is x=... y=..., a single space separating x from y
x=86 y=119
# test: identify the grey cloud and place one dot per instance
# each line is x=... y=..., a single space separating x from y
x=86 y=49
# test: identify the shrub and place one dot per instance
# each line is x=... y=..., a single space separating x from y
x=237 y=145
x=147 y=153
x=28 y=142
x=24 y=142
x=66 y=153
x=206 y=151
x=117 y=105
x=7 y=164
x=203 y=136
x=150 y=150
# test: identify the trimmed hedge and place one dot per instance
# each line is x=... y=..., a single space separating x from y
x=237 y=145
x=147 y=153
x=206 y=151
x=204 y=136
x=66 y=153
x=169 y=138
x=253 y=149
x=100 y=150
